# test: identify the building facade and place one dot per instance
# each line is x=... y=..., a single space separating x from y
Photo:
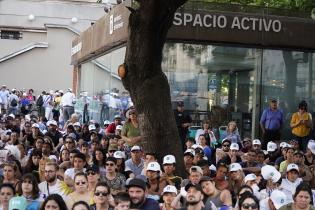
x=223 y=63
x=36 y=39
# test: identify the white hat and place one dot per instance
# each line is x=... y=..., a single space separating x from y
x=169 y=189
x=235 y=167
x=35 y=125
x=53 y=122
x=196 y=169
x=270 y=172
x=69 y=89
x=92 y=127
x=118 y=127
x=51 y=92
x=153 y=166
x=53 y=157
x=234 y=146
x=135 y=148
x=271 y=146
x=250 y=177
x=119 y=155
x=311 y=146
x=60 y=91
x=256 y=142
x=106 y=122
x=283 y=144
x=212 y=167
x=191 y=151
x=77 y=124
x=169 y=159
x=292 y=166
x=195 y=146
x=11 y=115
x=278 y=198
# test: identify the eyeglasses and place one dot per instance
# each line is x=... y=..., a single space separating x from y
x=90 y=173
x=110 y=164
x=101 y=193
x=80 y=182
x=250 y=205
x=225 y=145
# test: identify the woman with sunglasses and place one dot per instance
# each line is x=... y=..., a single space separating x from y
x=54 y=202
x=303 y=199
x=28 y=188
x=248 y=201
x=7 y=192
x=242 y=190
x=130 y=132
x=93 y=176
x=116 y=181
x=81 y=192
x=102 y=197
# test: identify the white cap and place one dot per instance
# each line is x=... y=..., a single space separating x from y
x=119 y=127
x=169 y=189
x=196 y=169
x=292 y=166
x=77 y=124
x=234 y=146
x=250 y=177
x=283 y=144
x=119 y=155
x=278 y=198
x=153 y=166
x=35 y=125
x=135 y=148
x=53 y=122
x=51 y=92
x=169 y=159
x=53 y=157
x=195 y=146
x=271 y=146
x=235 y=167
x=256 y=142
x=212 y=167
x=106 y=122
x=60 y=91
x=270 y=172
x=311 y=146
x=11 y=115
x=191 y=151
x=92 y=127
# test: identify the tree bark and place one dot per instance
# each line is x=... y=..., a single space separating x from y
x=144 y=79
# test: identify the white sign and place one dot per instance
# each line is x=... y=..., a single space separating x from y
x=76 y=49
x=221 y=21
x=115 y=23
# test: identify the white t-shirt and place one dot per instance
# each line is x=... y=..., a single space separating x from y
x=58 y=188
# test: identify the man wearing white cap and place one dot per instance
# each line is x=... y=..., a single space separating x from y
x=251 y=180
x=273 y=177
x=236 y=177
x=256 y=144
x=156 y=182
x=232 y=156
x=169 y=193
x=291 y=181
x=135 y=163
x=272 y=152
x=169 y=162
x=276 y=201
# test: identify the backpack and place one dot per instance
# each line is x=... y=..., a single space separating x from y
x=40 y=101
x=13 y=103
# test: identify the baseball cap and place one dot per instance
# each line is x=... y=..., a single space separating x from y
x=190 y=152
x=235 y=167
x=169 y=159
x=298 y=152
x=256 y=142
x=119 y=155
x=117 y=117
x=270 y=172
x=224 y=140
x=137 y=183
x=11 y=115
x=195 y=146
x=250 y=177
x=196 y=169
x=119 y=127
x=106 y=122
x=196 y=186
x=273 y=99
x=53 y=122
x=169 y=189
x=271 y=146
x=278 y=198
x=92 y=127
x=234 y=146
x=77 y=124
x=93 y=167
x=35 y=125
x=112 y=147
x=292 y=166
x=153 y=166
x=311 y=146
x=135 y=148
x=18 y=203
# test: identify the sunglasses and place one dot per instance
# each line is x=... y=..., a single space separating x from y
x=101 y=193
x=110 y=164
x=250 y=205
x=225 y=145
x=90 y=173
x=82 y=182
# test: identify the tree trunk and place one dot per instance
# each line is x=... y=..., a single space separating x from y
x=144 y=79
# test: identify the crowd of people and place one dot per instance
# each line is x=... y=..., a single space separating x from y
x=48 y=163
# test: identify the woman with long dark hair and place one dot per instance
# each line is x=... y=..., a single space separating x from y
x=33 y=162
x=99 y=158
x=55 y=202
x=7 y=192
x=28 y=188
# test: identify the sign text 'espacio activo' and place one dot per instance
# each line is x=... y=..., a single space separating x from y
x=224 y=22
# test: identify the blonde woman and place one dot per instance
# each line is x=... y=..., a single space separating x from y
x=231 y=133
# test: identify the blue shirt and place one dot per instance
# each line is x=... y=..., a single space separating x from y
x=149 y=204
x=272 y=120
